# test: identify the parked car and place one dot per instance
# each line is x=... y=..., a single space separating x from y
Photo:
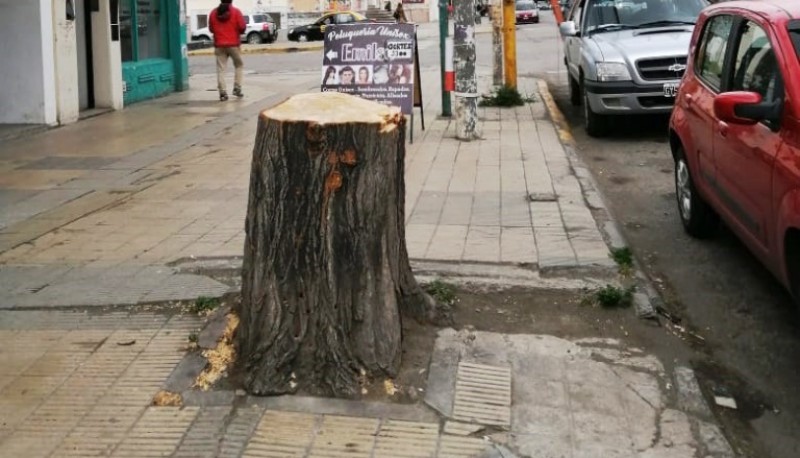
x=626 y=56
x=527 y=12
x=316 y=30
x=735 y=131
x=261 y=28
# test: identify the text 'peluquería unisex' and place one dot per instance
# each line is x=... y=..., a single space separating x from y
x=372 y=61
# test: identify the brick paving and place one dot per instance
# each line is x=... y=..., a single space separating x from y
x=78 y=385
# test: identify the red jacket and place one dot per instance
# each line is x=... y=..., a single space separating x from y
x=227 y=27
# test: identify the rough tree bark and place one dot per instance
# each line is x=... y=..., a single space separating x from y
x=326 y=272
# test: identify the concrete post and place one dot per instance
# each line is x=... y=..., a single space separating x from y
x=497 y=42
x=466 y=81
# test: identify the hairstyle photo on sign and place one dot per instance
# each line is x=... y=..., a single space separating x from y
x=364 y=75
x=401 y=74
x=380 y=74
x=329 y=77
x=347 y=76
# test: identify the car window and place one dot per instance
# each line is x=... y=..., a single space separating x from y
x=608 y=15
x=525 y=6
x=755 y=68
x=576 y=15
x=246 y=19
x=794 y=33
x=343 y=18
x=711 y=53
x=325 y=20
x=259 y=18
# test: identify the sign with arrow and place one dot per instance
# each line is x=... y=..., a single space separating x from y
x=375 y=61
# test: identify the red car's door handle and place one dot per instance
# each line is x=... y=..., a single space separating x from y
x=722 y=128
x=687 y=102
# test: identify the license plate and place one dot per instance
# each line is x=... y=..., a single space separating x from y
x=671 y=89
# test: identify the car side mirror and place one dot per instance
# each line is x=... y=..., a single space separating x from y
x=567 y=29
x=746 y=108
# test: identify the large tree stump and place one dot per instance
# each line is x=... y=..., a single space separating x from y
x=326 y=272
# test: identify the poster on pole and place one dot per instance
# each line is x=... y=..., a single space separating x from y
x=375 y=61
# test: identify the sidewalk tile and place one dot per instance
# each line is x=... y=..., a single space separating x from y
x=486 y=209
x=418 y=238
x=518 y=245
x=428 y=208
x=483 y=244
x=448 y=243
x=457 y=209
x=488 y=179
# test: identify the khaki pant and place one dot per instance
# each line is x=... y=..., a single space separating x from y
x=222 y=66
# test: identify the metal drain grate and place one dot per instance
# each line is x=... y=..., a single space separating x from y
x=483 y=394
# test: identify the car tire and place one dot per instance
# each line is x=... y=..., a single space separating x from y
x=575 y=95
x=698 y=218
x=204 y=38
x=254 y=39
x=596 y=124
x=302 y=37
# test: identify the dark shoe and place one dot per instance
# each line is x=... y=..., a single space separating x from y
x=237 y=91
x=223 y=96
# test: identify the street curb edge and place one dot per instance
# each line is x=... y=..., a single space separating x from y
x=644 y=304
x=281 y=50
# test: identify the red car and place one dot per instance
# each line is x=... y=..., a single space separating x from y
x=735 y=130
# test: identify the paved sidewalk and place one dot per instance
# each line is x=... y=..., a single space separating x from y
x=127 y=208
x=127 y=197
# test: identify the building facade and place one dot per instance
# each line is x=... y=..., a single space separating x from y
x=65 y=57
x=297 y=12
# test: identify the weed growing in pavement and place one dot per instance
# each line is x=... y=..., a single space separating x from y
x=504 y=96
x=442 y=292
x=610 y=296
x=193 y=338
x=205 y=304
x=624 y=259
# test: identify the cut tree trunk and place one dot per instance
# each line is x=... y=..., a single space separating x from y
x=326 y=273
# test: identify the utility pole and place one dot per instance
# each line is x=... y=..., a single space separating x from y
x=497 y=42
x=444 y=31
x=466 y=81
x=557 y=11
x=510 y=42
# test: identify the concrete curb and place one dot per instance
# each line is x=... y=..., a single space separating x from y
x=644 y=303
x=268 y=49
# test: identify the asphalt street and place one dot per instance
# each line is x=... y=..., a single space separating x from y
x=747 y=326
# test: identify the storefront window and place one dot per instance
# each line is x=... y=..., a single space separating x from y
x=150 y=30
x=125 y=26
x=150 y=40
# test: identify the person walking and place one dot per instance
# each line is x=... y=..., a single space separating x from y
x=399 y=14
x=226 y=22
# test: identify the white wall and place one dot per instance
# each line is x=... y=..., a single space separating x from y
x=107 y=61
x=27 y=70
x=66 y=57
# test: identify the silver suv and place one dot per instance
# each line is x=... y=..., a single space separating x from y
x=261 y=28
x=626 y=56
